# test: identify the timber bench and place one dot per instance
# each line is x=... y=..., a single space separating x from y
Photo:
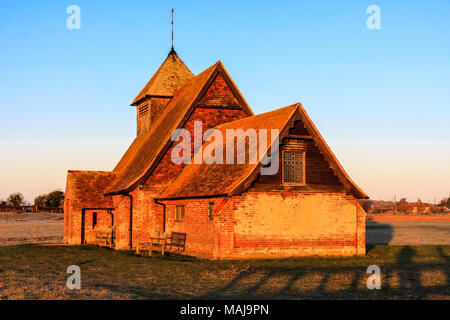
x=176 y=242
x=104 y=236
x=154 y=243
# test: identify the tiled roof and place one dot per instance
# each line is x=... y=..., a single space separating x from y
x=201 y=180
x=169 y=77
x=198 y=180
x=145 y=151
x=86 y=188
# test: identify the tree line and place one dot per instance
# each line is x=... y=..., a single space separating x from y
x=445 y=202
x=54 y=199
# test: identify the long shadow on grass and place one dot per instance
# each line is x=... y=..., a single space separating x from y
x=400 y=280
x=378 y=233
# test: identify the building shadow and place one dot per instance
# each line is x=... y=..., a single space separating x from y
x=378 y=233
x=401 y=278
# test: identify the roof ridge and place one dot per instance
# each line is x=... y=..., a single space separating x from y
x=258 y=115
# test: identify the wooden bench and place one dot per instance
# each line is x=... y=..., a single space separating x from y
x=176 y=241
x=145 y=243
x=105 y=236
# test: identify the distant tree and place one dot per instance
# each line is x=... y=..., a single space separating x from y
x=445 y=202
x=40 y=200
x=3 y=203
x=54 y=199
x=15 y=199
x=366 y=204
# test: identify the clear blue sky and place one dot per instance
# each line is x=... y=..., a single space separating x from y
x=381 y=98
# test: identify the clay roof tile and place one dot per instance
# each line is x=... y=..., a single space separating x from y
x=170 y=76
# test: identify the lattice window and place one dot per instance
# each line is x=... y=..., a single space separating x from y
x=293 y=167
x=179 y=214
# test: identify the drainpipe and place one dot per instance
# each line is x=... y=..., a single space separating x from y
x=131 y=219
x=164 y=214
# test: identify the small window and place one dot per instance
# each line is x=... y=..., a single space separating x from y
x=94 y=219
x=210 y=211
x=179 y=214
x=293 y=167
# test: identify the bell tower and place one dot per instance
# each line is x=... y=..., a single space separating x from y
x=159 y=91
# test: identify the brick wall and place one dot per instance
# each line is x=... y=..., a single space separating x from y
x=122 y=220
x=219 y=94
x=72 y=219
x=103 y=219
x=271 y=224
x=147 y=215
x=72 y=222
x=166 y=170
x=202 y=234
x=297 y=224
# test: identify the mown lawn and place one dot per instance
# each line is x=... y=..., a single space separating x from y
x=39 y=272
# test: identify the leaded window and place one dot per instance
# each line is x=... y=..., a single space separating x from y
x=293 y=167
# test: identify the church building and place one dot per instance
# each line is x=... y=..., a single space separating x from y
x=308 y=206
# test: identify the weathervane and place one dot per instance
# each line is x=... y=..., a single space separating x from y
x=172 y=29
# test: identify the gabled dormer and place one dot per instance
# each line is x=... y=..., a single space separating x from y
x=159 y=90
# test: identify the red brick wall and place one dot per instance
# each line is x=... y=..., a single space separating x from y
x=204 y=238
x=147 y=216
x=122 y=221
x=103 y=219
x=166 y=170
x=297 y=224
x=67 y=220
x=219 y=94
x=271 y=224
x=72 y=219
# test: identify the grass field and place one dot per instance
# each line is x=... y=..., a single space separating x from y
x=39 y=272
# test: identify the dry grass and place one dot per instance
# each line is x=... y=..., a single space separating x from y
x=39 y=272
x=20 y=228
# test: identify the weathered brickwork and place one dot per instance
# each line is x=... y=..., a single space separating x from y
x=219 y=94
x=206 y=237
x=293 y=223
x=256 y=217
x=210 y=117
x=271 y=224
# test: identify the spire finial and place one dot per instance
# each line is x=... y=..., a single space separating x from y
x=172 y=29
